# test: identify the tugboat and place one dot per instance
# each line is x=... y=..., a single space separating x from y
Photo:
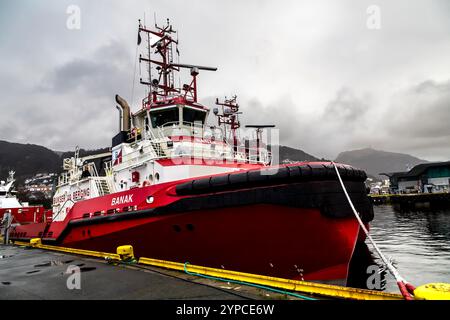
x=178 y=189
x=21 y=213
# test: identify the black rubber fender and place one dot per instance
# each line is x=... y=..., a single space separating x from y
x=267 y=176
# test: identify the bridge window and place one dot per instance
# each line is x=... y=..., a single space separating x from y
x=193 y=116
x=162 y=117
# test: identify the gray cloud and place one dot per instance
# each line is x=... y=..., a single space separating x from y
x=422 y=111
x=346 y=107
x=310 y=67
x=100 y=74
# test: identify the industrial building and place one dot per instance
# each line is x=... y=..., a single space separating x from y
x=423 y=178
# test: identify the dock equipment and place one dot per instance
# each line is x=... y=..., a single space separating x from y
x=322 y=290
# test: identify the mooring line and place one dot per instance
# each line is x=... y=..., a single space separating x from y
x=406 y=288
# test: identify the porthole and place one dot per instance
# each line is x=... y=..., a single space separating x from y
x=190 y=227
x=176 y=228
x=157 y=176
x=150 y=199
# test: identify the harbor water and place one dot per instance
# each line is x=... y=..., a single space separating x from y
x=417 y=242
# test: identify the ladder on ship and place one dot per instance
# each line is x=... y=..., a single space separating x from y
x=158 y=149
x=101 y=183
x=103 y=187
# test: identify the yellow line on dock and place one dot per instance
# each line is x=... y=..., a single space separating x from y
x=324 y=290
x=287 y=284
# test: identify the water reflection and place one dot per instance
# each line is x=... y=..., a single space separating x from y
x=418 y=242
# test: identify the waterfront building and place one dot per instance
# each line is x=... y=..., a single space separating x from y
x=423 y=178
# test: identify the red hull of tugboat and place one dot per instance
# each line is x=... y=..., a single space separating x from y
x=295 y=224
x=261 y=239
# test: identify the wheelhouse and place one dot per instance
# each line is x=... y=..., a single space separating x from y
x=169 y=120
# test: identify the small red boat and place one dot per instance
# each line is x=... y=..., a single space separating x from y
x=21 y=213
x=178 y=189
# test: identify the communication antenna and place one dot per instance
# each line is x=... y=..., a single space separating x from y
x=259 y=131
x=229 y=116
x=162 y=67
x=162 y=85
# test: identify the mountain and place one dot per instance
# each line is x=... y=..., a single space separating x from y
x=29 y=159
x=375 y=162
x=291 y=154
x=26 y=160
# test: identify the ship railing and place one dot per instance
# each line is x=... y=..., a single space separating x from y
x=201 y=151
x=174 y=128
x=101 y=183
x=219 y=149
x=149 y=135
x=158 y=149
x=63 y=178
x=109 y=175
x=154 y=150
x=108 y=168
x=263 y=158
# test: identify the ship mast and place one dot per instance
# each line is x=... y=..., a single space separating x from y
x=229 y=116
x=162 y=86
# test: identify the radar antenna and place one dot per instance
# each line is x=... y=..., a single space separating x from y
x=259 y=131
x=162 y=86
x=229 y=116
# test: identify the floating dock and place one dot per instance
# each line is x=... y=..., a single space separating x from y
x=26 y=270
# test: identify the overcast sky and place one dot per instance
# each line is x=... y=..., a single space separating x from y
x=314 y=68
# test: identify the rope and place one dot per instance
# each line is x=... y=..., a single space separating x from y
x=405 y=288
x=246 y=284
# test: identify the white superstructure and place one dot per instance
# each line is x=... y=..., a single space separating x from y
x=8 y=198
